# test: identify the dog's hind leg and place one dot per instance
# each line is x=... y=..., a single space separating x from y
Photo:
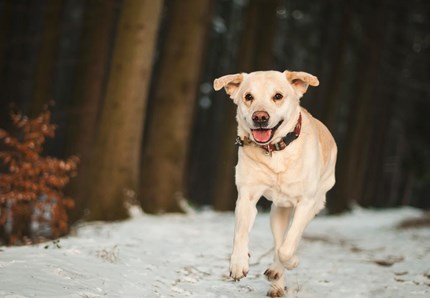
x=304 y=212
x=279 y=221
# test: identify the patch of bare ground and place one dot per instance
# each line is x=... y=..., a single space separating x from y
x=416 y=222
x=337 y=242
x=388 y=261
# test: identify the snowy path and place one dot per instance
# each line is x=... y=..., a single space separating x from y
x=355 y=255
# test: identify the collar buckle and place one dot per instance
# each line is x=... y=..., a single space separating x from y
x=238 y=142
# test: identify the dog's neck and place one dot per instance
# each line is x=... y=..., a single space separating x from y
x=278 y=146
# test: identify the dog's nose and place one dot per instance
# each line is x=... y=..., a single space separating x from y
x=260 y=118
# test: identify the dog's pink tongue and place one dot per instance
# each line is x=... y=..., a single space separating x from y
x=262 y=135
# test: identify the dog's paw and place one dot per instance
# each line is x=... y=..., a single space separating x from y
x=239 y=266
x=277 y=292
x=288 y=259
x=292 y=263
x=274 y=272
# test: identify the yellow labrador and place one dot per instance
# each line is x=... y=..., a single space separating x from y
x=285 y=155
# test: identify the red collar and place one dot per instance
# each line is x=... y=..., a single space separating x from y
x=281 y=145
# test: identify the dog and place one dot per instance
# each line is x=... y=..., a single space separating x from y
x=285 y=155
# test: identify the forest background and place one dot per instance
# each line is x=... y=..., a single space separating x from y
x=131 y=82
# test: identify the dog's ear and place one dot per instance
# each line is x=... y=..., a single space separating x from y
x=301 y=80
x=230 y=83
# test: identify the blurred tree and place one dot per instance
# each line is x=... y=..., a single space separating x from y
x=255 y=53
x=352 y=161
x=338 y=60
x=5 y=19
x=224 y=126
x=21 y=30
x=99 y=21
x=414 y=103
x=256 y=50
x=46 y=57
x=114 y=167
x=212 y=112
x=170 y=119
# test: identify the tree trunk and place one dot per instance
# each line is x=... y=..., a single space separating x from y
x=6 y=15
x=338 y=60
x=225 y=191
x=351 y=166
x=87 y=99
x=23 y=29
x=5 y=28
x=43 y=81
x=256 y=53
x=361 y=145
x=115 y=163
x=169 y=124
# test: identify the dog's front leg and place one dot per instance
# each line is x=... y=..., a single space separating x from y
x=245 y=213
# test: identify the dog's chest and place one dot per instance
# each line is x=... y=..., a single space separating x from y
x=285 y=189
x=286 y=182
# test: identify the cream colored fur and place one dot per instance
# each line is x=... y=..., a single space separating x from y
x=295 y=179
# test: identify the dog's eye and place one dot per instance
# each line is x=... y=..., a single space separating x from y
x=278 y=96
x=249 y=97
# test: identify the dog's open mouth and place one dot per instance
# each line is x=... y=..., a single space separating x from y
x=264 y=135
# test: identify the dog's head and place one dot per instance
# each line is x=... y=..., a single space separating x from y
x=267 y=101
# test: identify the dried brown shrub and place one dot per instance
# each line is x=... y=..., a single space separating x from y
x=31 y=196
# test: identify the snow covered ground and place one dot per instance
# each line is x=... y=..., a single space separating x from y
x=361 y=254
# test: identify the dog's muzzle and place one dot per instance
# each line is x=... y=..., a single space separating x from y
x=281 y=145
x=264 y=135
